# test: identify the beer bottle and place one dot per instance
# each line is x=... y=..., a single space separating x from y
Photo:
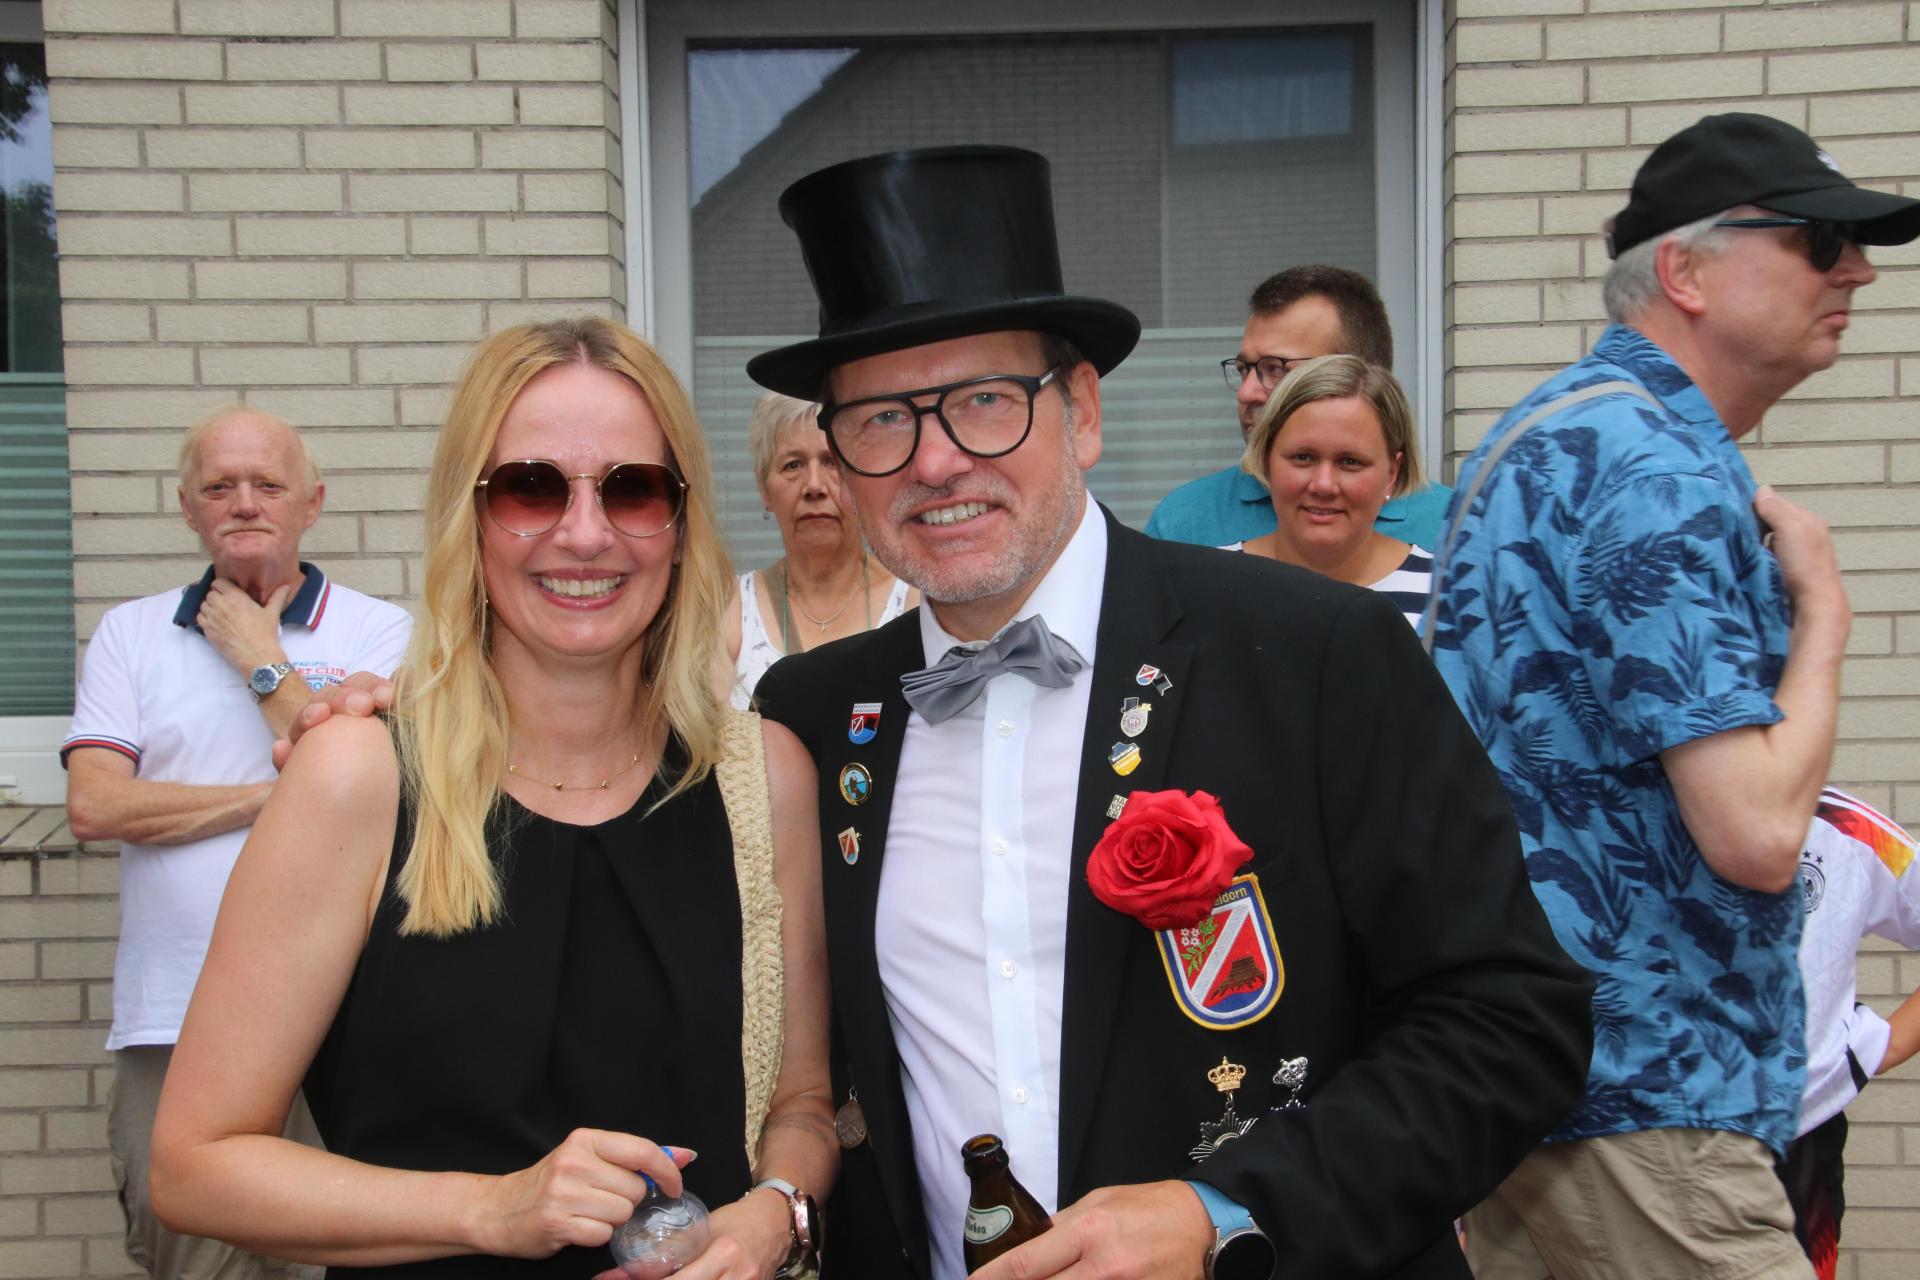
x=1000 y=1212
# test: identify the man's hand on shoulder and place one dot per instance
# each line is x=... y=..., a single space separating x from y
x=360 y=694
x=1149 y=1231
x=1802 y=543
x=246 y=634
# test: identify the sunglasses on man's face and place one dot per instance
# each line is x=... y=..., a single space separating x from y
x=530 y=497
x=1826 y=239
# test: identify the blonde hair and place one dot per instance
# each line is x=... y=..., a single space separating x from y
x=190 y=443
x=1336 y=378
x=449 y=706
x=771 y=412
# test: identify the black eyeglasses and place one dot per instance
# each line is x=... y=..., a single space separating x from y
x=1826 y=239
x=531 y=496
x=986 y=417
x=1269 y=369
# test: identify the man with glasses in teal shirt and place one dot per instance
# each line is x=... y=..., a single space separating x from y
x=1298 y=314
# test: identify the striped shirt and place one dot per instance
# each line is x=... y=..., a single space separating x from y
x=1409 y=586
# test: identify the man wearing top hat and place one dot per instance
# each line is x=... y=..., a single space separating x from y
x=1650 y=648
x=1176 y=869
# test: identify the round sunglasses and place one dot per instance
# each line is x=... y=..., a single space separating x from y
x=531 y=496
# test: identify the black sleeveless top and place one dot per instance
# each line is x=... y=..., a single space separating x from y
x=606 y=996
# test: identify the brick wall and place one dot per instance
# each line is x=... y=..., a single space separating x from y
x=316 y=207
x=1552 y=105
x=58 y=1214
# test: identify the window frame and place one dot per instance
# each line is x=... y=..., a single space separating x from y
x=30 y=771
x=1407 y=35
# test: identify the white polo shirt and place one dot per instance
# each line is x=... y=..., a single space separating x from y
x=154 y=689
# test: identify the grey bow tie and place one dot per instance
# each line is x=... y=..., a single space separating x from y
x=1026 y=648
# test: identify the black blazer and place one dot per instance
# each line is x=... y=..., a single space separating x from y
x=1445 y=1029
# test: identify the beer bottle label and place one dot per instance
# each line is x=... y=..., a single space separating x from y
x=986 y=1225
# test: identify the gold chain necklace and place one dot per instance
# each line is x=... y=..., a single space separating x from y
x=865 y=584
x=601 y=785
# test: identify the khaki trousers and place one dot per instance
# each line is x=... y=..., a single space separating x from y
x=1660 y=1204
x=138 y=1073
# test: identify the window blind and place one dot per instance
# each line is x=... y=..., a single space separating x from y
x=36 y=548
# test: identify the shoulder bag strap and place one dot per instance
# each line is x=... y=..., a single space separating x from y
x=742 y=773
x=1466 y=496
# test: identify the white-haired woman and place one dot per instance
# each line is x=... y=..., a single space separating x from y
x=518 y=944
x=827 y=585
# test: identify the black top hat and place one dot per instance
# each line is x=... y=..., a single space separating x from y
x=918 y=246
x=1739 y=158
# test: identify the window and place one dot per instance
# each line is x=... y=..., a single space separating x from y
x=36 y=576
x=1189 y=163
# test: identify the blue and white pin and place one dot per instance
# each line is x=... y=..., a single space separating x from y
x=864 y=724
x=1151 y=676
x=856 y=783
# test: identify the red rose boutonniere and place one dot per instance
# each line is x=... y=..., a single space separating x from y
x=1166 y=858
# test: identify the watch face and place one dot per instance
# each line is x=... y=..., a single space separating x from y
x=263 y=681
x=1244 y=1255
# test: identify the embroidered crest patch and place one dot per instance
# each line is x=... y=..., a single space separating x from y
x=1225 y=971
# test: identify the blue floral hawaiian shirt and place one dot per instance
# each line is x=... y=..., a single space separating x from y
x=1608 y=597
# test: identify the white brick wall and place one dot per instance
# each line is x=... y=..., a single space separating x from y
x=58 y=1216
x=1552 y=105
x=317 y=207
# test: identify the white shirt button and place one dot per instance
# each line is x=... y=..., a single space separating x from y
x=1007 y=969
x=1006 y=729
x=1000 y=844
x=1019 y=1094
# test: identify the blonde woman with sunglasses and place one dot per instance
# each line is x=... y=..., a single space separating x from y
x=556 y=929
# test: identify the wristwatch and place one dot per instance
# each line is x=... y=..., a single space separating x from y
x=1241 y=1250
x=265 y=680
x=804 y=1247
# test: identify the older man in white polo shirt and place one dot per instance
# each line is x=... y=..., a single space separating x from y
x=181 y=697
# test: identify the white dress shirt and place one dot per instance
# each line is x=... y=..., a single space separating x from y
x=972 y=923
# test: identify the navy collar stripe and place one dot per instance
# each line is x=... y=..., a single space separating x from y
x=306 y=608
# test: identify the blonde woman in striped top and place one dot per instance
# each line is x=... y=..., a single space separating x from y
x=1333 y=444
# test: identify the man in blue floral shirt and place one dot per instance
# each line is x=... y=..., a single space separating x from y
x=1656 y=676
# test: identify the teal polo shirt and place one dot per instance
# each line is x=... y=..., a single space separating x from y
x=1232 y=506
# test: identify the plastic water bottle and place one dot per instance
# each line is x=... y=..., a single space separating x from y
x=664 y=1234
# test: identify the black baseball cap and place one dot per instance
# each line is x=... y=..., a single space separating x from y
x=1740 y=158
